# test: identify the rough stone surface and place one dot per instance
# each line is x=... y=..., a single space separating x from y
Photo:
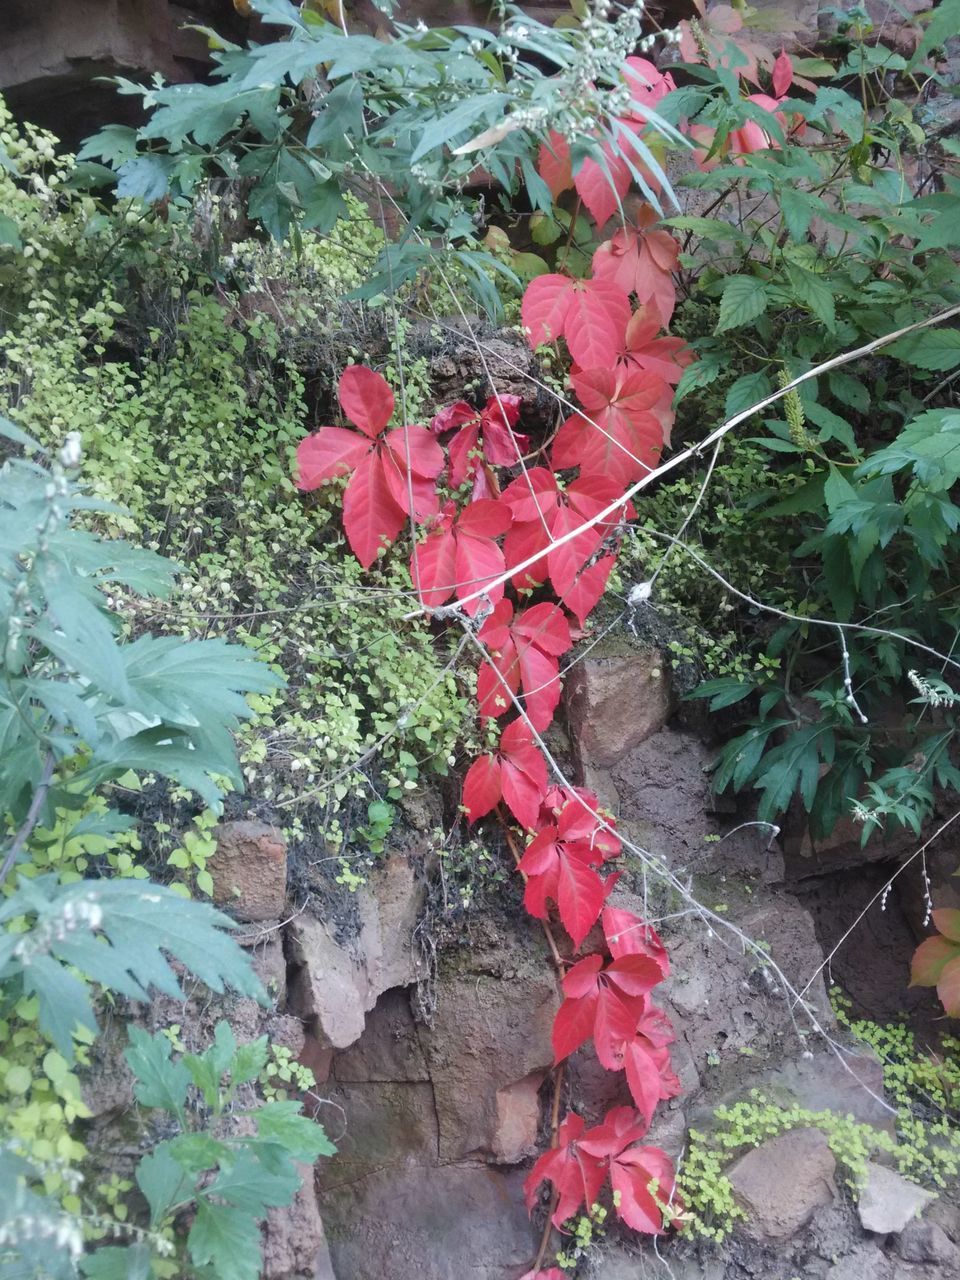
x=614 y=703
x=411 y=1222
x=925 y=1242
x=888 y=1201
x=781 y=1184
x=487 y=1050
x=249 y=870
x=867 y=1262
x=337 y=981
x=294 y=1243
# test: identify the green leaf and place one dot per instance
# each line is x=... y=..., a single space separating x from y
x=10 y=233
x=744 y=298
x=724 y=691
x=163 y=1182
x=249 y=1061
x=933 y=349
x=944 y=24
x=146 y=178
x=247 y=1185
x=12 y=432
x=283 y=1123
x=797 y=212
x=227 y=1239
x=748 y=390
x=812 y=292
x=197 y=1152
x=704 y=370
x=111 y=1262
x=161 y=1081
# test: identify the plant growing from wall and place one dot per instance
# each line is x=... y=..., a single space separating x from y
x=80 y=710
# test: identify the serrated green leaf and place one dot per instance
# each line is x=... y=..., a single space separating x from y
x=163 y=1182
x=226 y=1238
x=248 y=1185
x=161 y=1081
x=744 y=298
x=748 y=390
x=282 y=1123
x=934 y=349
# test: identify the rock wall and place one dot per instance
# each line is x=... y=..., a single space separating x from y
x=430 y=1072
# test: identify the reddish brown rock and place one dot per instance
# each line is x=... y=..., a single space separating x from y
x=781 y=1184
x=249 y=870
x=614 y=703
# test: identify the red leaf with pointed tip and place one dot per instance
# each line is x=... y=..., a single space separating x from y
x=483 y=436
x=371 y=515
x=782 y=74
x=366 y=398
x=628 y=935
x=664 y=356
x=393 y=474
x=602 y=189
x=560 y=871
x=576 y=1176
x=649 y=1074
x=523 y=655
x=591 y=314
x=641 y=261
x=929 y=960
x=631 y=1168
x=517 y=774
x=329 y=452
x=553 y=164
x=458 y=556
x=616 y=998
x=618 y=437
x=481 y=787
x=631 y=1174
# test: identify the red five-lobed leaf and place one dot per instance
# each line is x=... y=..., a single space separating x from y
x=523 y=656
x=619 y=436
x=632 y=1168
x=393 y=471
x=484 y=439
x=576 y=1176
x=543 y=512
x=664 y=356
x=641 y=261
x=591 y=314
x=559 y=865
x=460 y=555
x=605 y=1002
x=516 y=773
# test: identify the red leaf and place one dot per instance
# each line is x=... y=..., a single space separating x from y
x=618 y=437
x=664 y=356
x=616 y=999
x=929 y=960
x=641 y=261
x=459 y=555
x=371 y=515
x=632 y=1169
x=586 y=590
x=365 y=398
x=517 y=774
x=329 y=452
x=947 y=921
x=782 y=74
x=649 y=1074
x=500 y=444
x=393 y=474
x=553 y=164
x=522 y=655
x=576 y=1176
x=948 y=988
x=627 y=935
x=631 y=1174
x=647 y=84
x=591 y=314
x=560 y=871
x=481 y=787
x=602 y=189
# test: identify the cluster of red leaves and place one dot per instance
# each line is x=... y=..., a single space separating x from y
x=484 y=522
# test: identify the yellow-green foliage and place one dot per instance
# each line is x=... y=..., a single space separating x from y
x=924 y=1089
